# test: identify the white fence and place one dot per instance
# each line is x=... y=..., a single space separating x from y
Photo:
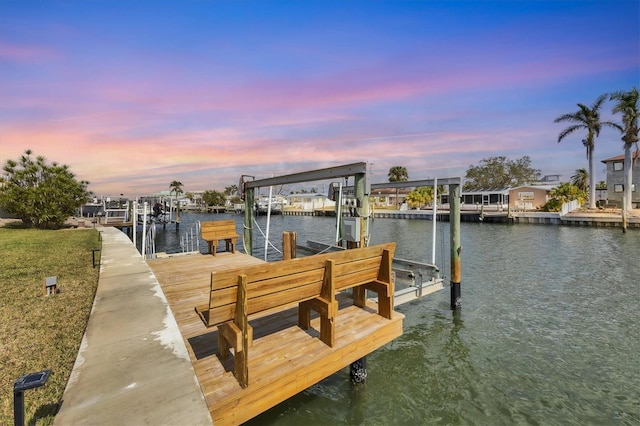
x=569 y=207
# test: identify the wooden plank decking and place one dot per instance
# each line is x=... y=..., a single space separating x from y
x=284 y=359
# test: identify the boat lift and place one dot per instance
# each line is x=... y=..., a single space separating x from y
x=405 y=271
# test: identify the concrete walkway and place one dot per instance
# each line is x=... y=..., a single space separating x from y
x=133 y=367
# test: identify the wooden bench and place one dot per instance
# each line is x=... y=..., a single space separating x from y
x=217 y=230
x=311 y=282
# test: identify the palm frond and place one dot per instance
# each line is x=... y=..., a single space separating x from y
x=598 y=102
x=570 y=130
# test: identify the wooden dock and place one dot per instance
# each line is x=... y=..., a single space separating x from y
x=284 y=359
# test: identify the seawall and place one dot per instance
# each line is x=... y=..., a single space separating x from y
x=578 y=218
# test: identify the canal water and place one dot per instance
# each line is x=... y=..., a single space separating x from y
x=549 y=331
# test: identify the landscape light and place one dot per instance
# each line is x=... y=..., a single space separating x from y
x=26 y=382
x=50 y=286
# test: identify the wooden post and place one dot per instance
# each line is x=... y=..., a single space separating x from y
x=358 y=369
x=249 y=206
x=241 y=356
x=454 y=227
x=286 y=246
x=289 y=241
x=328 y=293
x=362 y=198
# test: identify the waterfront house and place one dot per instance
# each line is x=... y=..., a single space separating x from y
x=388 y=197
x=615 y=179
x=309 y=202
x=496 y=198
x=529 y=197
x=525 y=197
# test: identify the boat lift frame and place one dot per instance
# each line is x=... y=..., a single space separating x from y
x=357 y=170
x=362 y=189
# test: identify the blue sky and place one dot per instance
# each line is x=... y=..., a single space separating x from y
x=134 y=95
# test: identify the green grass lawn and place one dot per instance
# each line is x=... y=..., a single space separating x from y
x=38 y=332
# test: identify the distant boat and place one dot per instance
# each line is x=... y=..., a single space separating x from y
x=153 y=219
x=262 y=206
x=156 y=217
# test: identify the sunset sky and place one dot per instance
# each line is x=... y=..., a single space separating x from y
x=134 y=95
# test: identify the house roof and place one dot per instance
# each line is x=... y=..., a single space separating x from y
x=305 y=195
x=486 y=191
x=634 y=154
x=390 y=191
x=543 y=187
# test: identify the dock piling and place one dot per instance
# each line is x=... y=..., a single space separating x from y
x=358 y=371
x=289 y=244
x=249 y=211
x=454 y=225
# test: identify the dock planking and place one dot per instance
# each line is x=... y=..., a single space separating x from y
x=284 y=358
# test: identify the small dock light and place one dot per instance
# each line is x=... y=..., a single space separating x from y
x=26 y=382
x=50 y=286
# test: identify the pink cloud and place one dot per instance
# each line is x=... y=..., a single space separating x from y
x=28 y=54
x=142 y=125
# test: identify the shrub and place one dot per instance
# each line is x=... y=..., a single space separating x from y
x=41 y=195
x=553 y=205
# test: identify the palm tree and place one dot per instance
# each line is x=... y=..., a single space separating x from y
x=566 y=192
x=627 y=104
x=581 y=179
x=587 y=119
x=176 y=187
x=398 y=174
x=230 y=190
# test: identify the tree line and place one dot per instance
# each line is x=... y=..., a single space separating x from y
x=210 y=197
